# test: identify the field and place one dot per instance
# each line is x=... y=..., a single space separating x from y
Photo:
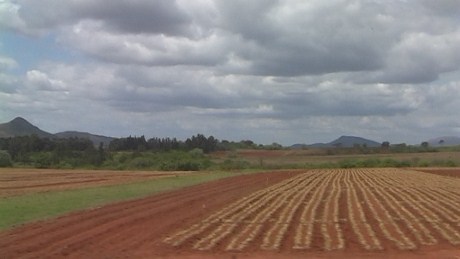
x=22 y=181
x=319 y=158
x=371 y=213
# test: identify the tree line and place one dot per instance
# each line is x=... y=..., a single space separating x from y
x=78 y=152
x=206 y=144
x=46 y=152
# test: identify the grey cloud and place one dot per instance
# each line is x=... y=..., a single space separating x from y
x=255 y=68
x=7 y=81
x=307 y=38
x=348 y=102
x=145 y=49
x=139 y=16
x=443 y=7
x=417 y=58
x=159 y=16
x=264 y=38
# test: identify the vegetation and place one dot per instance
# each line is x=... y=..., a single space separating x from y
x=25 y=208
x=5 y=159
x=196 y=153
x=174 y=160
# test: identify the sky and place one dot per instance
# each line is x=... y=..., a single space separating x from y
x=286 y=71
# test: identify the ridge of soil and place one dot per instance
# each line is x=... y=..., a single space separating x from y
x=132 y=228
x=137 y=228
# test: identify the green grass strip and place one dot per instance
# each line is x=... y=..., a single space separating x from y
x=32 y=207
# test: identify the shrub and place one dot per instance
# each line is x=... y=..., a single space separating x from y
x=5 y=159
x=42 y=159
x=140 y=163
x=196 y=152
x=230 y=164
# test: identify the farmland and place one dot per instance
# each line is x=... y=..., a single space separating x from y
x=368 y=210
x=320 y=213
x=24 y=181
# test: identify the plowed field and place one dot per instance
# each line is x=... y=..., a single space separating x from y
x=21 y=181
x=319 y=213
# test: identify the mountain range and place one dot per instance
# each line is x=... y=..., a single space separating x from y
x=343 y=141
x=444 y=141
x=21 y=127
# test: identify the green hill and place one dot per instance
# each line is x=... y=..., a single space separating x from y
x=96 y=139
x=21 y=127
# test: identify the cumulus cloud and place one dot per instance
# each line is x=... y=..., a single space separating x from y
x=143 y=49
x=9 y=18
x=7 y=81
x=265 y=67
x=7 y=63
x=42 y=81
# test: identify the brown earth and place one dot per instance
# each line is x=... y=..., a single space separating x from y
x=136 y=229
x=22 y=181
x=453 y=172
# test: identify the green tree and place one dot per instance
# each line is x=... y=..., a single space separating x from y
x=5 y=159
x=385 y=145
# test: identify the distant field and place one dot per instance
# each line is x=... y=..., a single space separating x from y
x=450 y=172
x=318 y=157
x=18 y=181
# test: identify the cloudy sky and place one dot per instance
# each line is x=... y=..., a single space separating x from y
x=287 y=71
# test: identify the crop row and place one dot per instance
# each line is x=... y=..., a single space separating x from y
x=333 y=209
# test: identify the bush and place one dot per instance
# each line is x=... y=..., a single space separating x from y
x=140 y=163
x=230 y=164
x=196 y=152
x=5 y=159
x=42 y=159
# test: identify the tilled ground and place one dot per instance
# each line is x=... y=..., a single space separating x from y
x=129 y=229
x=452 y=172
x=139 y=228
x=15 y=182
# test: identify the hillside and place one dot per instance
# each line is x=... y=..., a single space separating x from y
x=21 y=127
x=444 y=141
x=96 y=139
x=343 y=141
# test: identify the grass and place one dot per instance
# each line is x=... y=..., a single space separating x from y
x=307 y=159
x=32 y=207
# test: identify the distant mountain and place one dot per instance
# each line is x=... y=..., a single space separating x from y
x=343 y=141
x=21 y=127
x=444 y=141
x=96 y=139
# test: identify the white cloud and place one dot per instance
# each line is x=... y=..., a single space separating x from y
x=7 y=81
x=7 y=63
x=297 y=70
x=9 y=18
x=38 y=80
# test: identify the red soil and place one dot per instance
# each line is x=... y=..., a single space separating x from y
x=22 y=181
x=136 y=229
x=128 y=229
x=453 y=172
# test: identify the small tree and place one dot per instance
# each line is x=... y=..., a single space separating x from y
x=425 y=144
x=5 y=159
x=385 y=145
